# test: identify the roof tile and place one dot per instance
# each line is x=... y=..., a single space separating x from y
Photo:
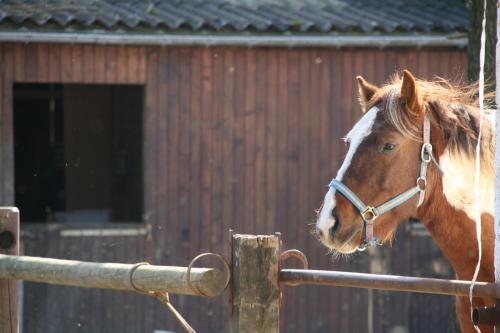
x=384 y=16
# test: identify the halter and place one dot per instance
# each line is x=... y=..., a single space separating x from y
x=370 y=213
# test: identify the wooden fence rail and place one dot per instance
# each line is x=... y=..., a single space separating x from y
x=130 y=277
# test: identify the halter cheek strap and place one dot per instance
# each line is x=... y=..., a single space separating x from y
x=370 y=213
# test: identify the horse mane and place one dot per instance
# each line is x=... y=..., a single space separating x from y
x=454 y=108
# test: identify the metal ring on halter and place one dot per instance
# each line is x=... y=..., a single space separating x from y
x=369 y=214
x=422 y=186
x=426 y=152
x=226 y=268
x=294 y=253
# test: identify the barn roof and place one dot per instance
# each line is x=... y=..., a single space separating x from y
x=235 y=16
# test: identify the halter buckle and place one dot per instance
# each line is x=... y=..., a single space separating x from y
x=369 y=214
x=426 y=152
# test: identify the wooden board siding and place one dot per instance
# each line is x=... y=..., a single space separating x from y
x=242 y=138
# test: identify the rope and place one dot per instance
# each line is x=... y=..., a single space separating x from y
x=477 y=173
x=162 y=297
x=165 y=299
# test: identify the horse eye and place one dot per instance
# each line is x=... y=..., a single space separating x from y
x=389 y=147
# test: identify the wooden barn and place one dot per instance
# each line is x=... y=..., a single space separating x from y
x=143 y=130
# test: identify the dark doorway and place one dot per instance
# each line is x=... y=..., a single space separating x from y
x=78 y=152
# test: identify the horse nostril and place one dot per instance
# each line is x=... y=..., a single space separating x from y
x=332 y=231
x=320 y=232
x=335 y=226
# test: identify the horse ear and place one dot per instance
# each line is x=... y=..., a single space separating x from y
x=409 y=92
x=366 y=91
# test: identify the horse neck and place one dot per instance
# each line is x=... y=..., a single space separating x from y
x=455 y=234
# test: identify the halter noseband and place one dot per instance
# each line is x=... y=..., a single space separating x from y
x=370 y=213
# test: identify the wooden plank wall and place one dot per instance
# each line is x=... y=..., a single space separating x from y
x=242 y=138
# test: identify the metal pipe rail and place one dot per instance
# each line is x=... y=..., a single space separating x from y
x=129 y=277
x=388 y=282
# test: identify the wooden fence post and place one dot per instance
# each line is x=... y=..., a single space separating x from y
x=255 y=285
x=9 y=289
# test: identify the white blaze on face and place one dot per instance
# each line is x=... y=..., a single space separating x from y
x=358 y=133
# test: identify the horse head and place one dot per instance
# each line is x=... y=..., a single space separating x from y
x=414 y=154
x=384 y=161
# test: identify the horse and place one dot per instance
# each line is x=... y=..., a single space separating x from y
x=412 y=155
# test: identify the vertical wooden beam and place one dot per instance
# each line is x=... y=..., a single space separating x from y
x=9 y=289
x=255 y=287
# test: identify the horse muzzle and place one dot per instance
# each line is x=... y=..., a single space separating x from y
x=342 y=238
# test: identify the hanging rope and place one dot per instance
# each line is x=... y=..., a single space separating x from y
x=162 y=297
x=165 y=299
x=477 y=173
